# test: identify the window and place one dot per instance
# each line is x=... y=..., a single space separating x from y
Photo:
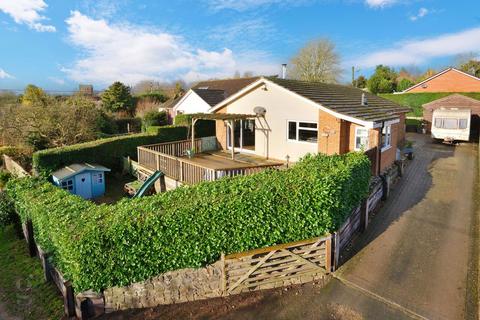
x=67 y=185
x=97 y=177
x=451 y=123
x=361 y=138
x=302 y=131
x=386 y=137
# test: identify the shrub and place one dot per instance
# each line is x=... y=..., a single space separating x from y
x=108 y=152
x=4 y=177
x=155 y=118
x=122 y=124
x=7 y=212
x=113 y=245
x=203 y=128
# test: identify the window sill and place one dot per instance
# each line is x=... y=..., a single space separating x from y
x=385 y=148
x=302 y=142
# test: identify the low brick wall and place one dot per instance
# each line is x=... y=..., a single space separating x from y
x=171 y=287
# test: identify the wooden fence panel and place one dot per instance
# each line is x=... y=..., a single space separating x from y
x=349 y=228
x=278 y=265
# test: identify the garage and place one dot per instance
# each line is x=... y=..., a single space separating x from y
x=452 y=102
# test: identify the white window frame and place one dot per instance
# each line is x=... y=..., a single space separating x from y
x=388 y=137
x=366 y=146
x=297 y=123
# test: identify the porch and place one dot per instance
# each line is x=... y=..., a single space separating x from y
x=206 y=164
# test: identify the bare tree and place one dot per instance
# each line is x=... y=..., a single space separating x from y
x=317 y=61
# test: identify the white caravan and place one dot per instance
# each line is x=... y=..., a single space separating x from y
x=451 y=124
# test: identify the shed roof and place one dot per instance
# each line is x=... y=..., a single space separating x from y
x=344 y=100
x=76 y=168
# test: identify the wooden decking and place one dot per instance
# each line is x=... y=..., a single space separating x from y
x=221 y=160
x=171 y=159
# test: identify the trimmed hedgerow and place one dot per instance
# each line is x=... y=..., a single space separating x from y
x=107 y=152
x=114 y=245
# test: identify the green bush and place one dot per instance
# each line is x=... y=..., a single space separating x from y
x=108 y=152
x=4 y=177
x=155 y=118
x=123 y=123
x=203 y=128
x=113 y=245
x=7 y=212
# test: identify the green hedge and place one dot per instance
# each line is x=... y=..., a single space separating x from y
x=108 y=152
x=203 y=128
x=417 y=100
x=114 y=245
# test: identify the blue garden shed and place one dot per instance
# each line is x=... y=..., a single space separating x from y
x=83 y=179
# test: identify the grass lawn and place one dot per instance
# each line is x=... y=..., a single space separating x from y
x=416 y=100
x=23 y=292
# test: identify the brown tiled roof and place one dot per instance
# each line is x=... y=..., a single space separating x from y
x=344 y=100
x=229 y=86
x=212 y=97
x=170 y=103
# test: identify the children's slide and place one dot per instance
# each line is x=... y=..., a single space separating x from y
x=148 y=184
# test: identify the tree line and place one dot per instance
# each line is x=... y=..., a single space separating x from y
x=319 y=61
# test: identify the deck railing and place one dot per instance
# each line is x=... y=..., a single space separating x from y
x=185 y=170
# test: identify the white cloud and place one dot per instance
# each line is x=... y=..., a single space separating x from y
x=422 y=12
x=416 y=52
x=380 y=3
x=131 y=53
x=4 y=74
x=27 y=12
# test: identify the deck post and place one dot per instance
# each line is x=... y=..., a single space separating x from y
x=232 y=138
x=193 y=133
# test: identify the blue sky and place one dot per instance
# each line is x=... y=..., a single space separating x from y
x=59 y=44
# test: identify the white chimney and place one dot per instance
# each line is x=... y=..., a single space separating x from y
x=364 y=100
x=284 y=71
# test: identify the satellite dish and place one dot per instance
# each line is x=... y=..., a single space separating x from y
x=260 y=111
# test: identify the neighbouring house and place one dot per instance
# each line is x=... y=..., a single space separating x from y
x=449 y=80
x=291 y=118
x=206 y=94
x=453 y=102
x=86 y=90
x=85 y=180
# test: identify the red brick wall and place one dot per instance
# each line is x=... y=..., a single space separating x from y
x=331 y=131
x=451 y=81
x=401 y=130
x=221 y=131
x=388 y=156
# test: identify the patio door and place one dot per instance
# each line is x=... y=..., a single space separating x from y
x=244 y=135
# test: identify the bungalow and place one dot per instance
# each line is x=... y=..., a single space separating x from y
x=206 y=94
x=294 y=118
x=449 y=80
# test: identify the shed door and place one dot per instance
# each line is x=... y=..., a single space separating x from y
x=83 y=185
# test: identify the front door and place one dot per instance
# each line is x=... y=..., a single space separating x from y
x=83 y=185
x=244 y=135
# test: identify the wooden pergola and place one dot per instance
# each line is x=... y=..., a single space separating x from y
x=228 y=118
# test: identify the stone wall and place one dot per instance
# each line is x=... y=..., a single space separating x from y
x=171 y=287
